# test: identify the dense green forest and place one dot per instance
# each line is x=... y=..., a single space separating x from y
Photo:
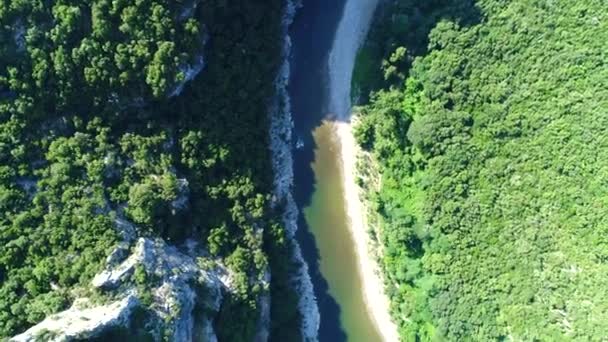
x=96 y=124
x=487 y=120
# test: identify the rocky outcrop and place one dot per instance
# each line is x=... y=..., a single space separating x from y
x=190 y=71
x=19 y=35
x=180 y=203
x=263 y=327
x=171 y=272
x=171 y=276
x=196 y=65
x=81 y=321
x=112 y=278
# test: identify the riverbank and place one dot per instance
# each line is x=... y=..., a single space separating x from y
x=282 y=163
x=350 y=36
x=371 y=277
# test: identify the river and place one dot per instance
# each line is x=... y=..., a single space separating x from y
x=325 y=36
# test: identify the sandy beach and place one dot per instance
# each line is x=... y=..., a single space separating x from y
x=351 y=33
x=375 y=299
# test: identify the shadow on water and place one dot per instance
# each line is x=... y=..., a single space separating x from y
x=312 y=34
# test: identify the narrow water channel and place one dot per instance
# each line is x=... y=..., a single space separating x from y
x=325 y=37
x=328 y=222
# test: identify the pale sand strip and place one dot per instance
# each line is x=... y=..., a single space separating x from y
x=373 y=288
x=351 y=32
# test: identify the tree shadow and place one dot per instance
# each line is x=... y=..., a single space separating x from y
x=418 y=18
x=406 y=23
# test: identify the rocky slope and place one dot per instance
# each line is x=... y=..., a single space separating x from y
x=181 y=288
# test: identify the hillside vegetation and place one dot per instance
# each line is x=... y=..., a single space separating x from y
x=101 y=121
x=489 y=125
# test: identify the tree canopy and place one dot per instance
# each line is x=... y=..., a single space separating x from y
x=98 y=127
x=489 y=136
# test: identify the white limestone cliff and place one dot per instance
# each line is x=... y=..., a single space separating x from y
x=79 y=321
x=281 y=145
x=173 y=272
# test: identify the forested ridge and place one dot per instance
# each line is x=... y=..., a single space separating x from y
x=488 y=120
x=102 y=122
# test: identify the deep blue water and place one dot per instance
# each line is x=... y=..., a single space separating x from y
x=312 y=35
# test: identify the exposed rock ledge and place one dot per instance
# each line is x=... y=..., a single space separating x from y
x=173 y=298
x=78 y=321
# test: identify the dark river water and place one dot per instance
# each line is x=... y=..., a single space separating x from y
x=323 y=231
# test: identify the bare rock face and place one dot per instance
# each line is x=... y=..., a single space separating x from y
x=171 y=273
x=171 y=277
x=181 y=202
x=80 y=321
x=19 y=35
x=190 y=71
x=114 y=277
